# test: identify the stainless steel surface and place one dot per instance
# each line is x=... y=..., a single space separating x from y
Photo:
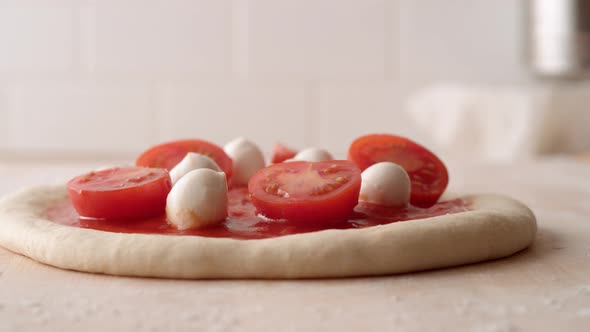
x=559 y=37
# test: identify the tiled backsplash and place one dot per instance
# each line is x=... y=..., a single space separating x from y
x=114 y=76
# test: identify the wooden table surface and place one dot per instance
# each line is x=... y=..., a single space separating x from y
x=544 y=288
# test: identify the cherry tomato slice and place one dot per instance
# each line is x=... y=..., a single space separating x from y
x=168 y=155
x=281 y=153
x=120 y=193
x=307 y=192
x=428 y=174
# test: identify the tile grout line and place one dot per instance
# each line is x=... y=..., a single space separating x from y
x=239 y=39
x=86 y=39
x=75 y=34
x=154 y=95
x=389 y=64
x=310 y=109
x=12 y=102
x=4 y=117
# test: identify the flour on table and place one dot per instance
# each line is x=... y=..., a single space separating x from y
x=584 y=290
x=584 y=312
x=519 y=309
x=551 y=302
x=496 y=327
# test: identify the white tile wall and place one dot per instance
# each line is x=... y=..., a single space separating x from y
x=219 y=112
x=317 y=38
x=35 y=38
x=81 y=116
x=4 y=125
x=472 y=41
x=346 y=111
x=118 y=75
x=162 y=36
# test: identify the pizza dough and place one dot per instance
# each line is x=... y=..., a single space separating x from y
x=497 y=227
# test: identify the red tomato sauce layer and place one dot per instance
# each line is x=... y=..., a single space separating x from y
x=243 y=223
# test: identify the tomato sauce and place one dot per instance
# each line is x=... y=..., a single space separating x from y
x=243 y=223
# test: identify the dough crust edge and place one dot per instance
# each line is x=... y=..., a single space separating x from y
x=498 y=226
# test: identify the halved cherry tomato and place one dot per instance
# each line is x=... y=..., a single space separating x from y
x=120 y=193
x=427 y=173
x=167 y=155
x=281 y=153
x=307 y=192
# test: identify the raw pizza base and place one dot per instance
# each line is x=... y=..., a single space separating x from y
x=497 y=227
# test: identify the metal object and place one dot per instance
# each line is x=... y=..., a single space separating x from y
x=559 y=37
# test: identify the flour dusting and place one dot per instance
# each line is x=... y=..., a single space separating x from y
x=551 y=302
x=497 y=327
x=34 y=307
x=519 y=309
x=584 y=312
x=394 y=298
x=584 y=290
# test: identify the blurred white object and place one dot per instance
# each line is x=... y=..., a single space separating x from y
x=191 y=162
x=385 y=184
x=313 y=154
x=247 y=159
x=198 y=199
x=558 y=32
x=502 y=124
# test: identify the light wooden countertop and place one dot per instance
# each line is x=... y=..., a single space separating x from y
x=544 y=288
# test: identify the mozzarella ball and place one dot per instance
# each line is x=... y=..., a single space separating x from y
x=313 y=154
x=198 y=199
x=247 y=159
x=385 y=184
x=191 y=162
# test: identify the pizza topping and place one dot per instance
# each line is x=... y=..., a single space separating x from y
x=310 y=188
x=168 y=155
x=243 y=223
x=191 y=162
x=385 y=184
x=120 y=193
x=428 y=174
x=198 y=199
x=247 y=160
x=313 y=154
x=307 y=192
x=281 y=153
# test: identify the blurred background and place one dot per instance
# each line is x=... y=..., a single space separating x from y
x=468 y=78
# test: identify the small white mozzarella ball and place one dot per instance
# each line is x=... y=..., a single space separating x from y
x=313 y=154
x=247 y=159
x=198 y=199
x=385 y=184
x=191 y=162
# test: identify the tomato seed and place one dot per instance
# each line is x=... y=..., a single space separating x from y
x=272 y=188
x=341 y=179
